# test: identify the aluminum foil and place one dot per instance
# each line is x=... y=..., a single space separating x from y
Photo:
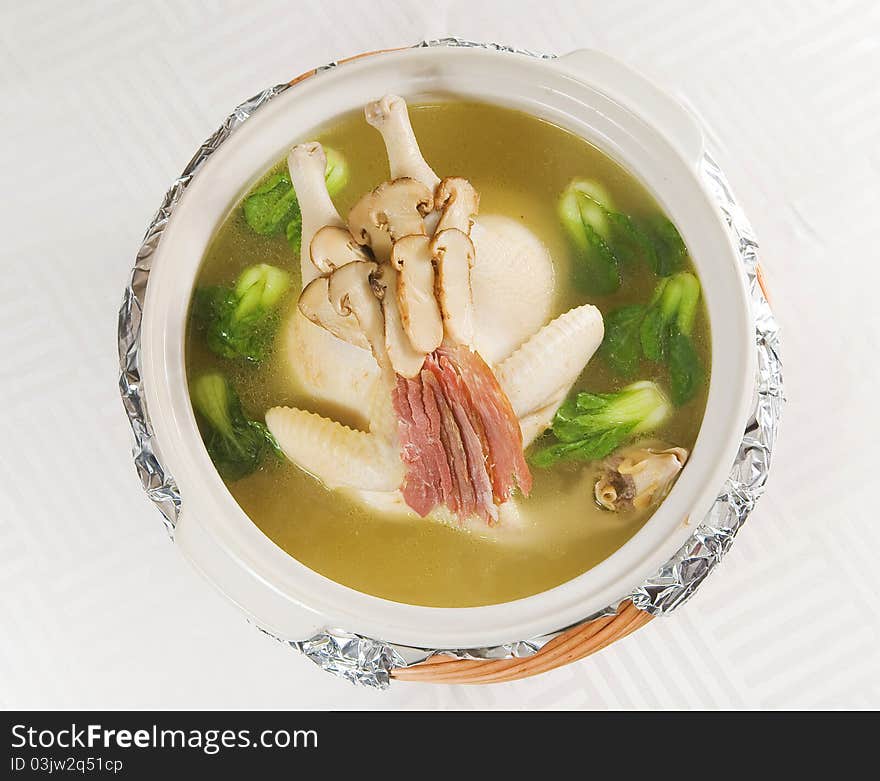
x=368 y=661
x=155 y=478
x=679 y=578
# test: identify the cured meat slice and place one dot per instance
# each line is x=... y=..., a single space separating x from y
x=460 y=441
x=416 y=452
x=503 y=434
x=453 y=447
x=448 y=491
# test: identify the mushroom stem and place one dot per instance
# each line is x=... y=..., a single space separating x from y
x=390 y=117
x=453 y=254
x=419 y=311
x=307 y=164
x=332 y=247
x=405 y=359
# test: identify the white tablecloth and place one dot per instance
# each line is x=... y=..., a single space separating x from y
x=102 y=105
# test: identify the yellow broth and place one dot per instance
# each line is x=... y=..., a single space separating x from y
x=519 y=165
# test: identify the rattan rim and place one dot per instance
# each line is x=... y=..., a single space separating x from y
x=576 y=643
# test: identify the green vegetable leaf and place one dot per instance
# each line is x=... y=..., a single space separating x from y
x=590 y=426
x=236 y=444
x=599 y=272
x=240 y=322
x=631 y=242
x=271 y=206
x=668 y=250
x=293 y=231
x=673 y=306
x=686 y=302
x=261 y=286
x=604 y=238
x=661 y=332
x=685 y=369
x=652 y=335
x=583 y=210
x=564 y=426
x=581 y=450
x=213 y=306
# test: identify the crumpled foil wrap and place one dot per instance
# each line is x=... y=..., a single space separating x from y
x=155 y=478
x=368 y=661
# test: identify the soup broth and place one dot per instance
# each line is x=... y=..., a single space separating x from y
x=519 y=165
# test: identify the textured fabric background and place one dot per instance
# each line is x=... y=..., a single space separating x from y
x=102 y=104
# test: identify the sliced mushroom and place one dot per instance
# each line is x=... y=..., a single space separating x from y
x=405 y=359
x=351 y=295
x=390 y=117
x=638 y=477
x=333 y=247
x=390 y=211
x=453 y=254
x=459 y=202
x=314 y=303
x=419 y=311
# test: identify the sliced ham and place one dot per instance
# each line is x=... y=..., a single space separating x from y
x=416 y=452
x=453 y=447
x=472 y=435
x=505 y=445
x=460 y=441
x=449 y=495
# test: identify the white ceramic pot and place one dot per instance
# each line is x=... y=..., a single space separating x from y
x=584 y=92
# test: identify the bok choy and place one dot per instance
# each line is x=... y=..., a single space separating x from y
x=583 y=210
x=240 y=321
x=271 y=208
x=605 y=239
x=661 y=332
x=237 y=445
x=590 y=426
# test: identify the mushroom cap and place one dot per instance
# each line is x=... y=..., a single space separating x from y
x=350 y=290
x=314 y=303
x=459 y=202
x=348 y=283
x=393 y=209
x=419 y=310
x=332 y=247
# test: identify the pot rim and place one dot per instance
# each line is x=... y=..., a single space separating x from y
x=326 y=603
